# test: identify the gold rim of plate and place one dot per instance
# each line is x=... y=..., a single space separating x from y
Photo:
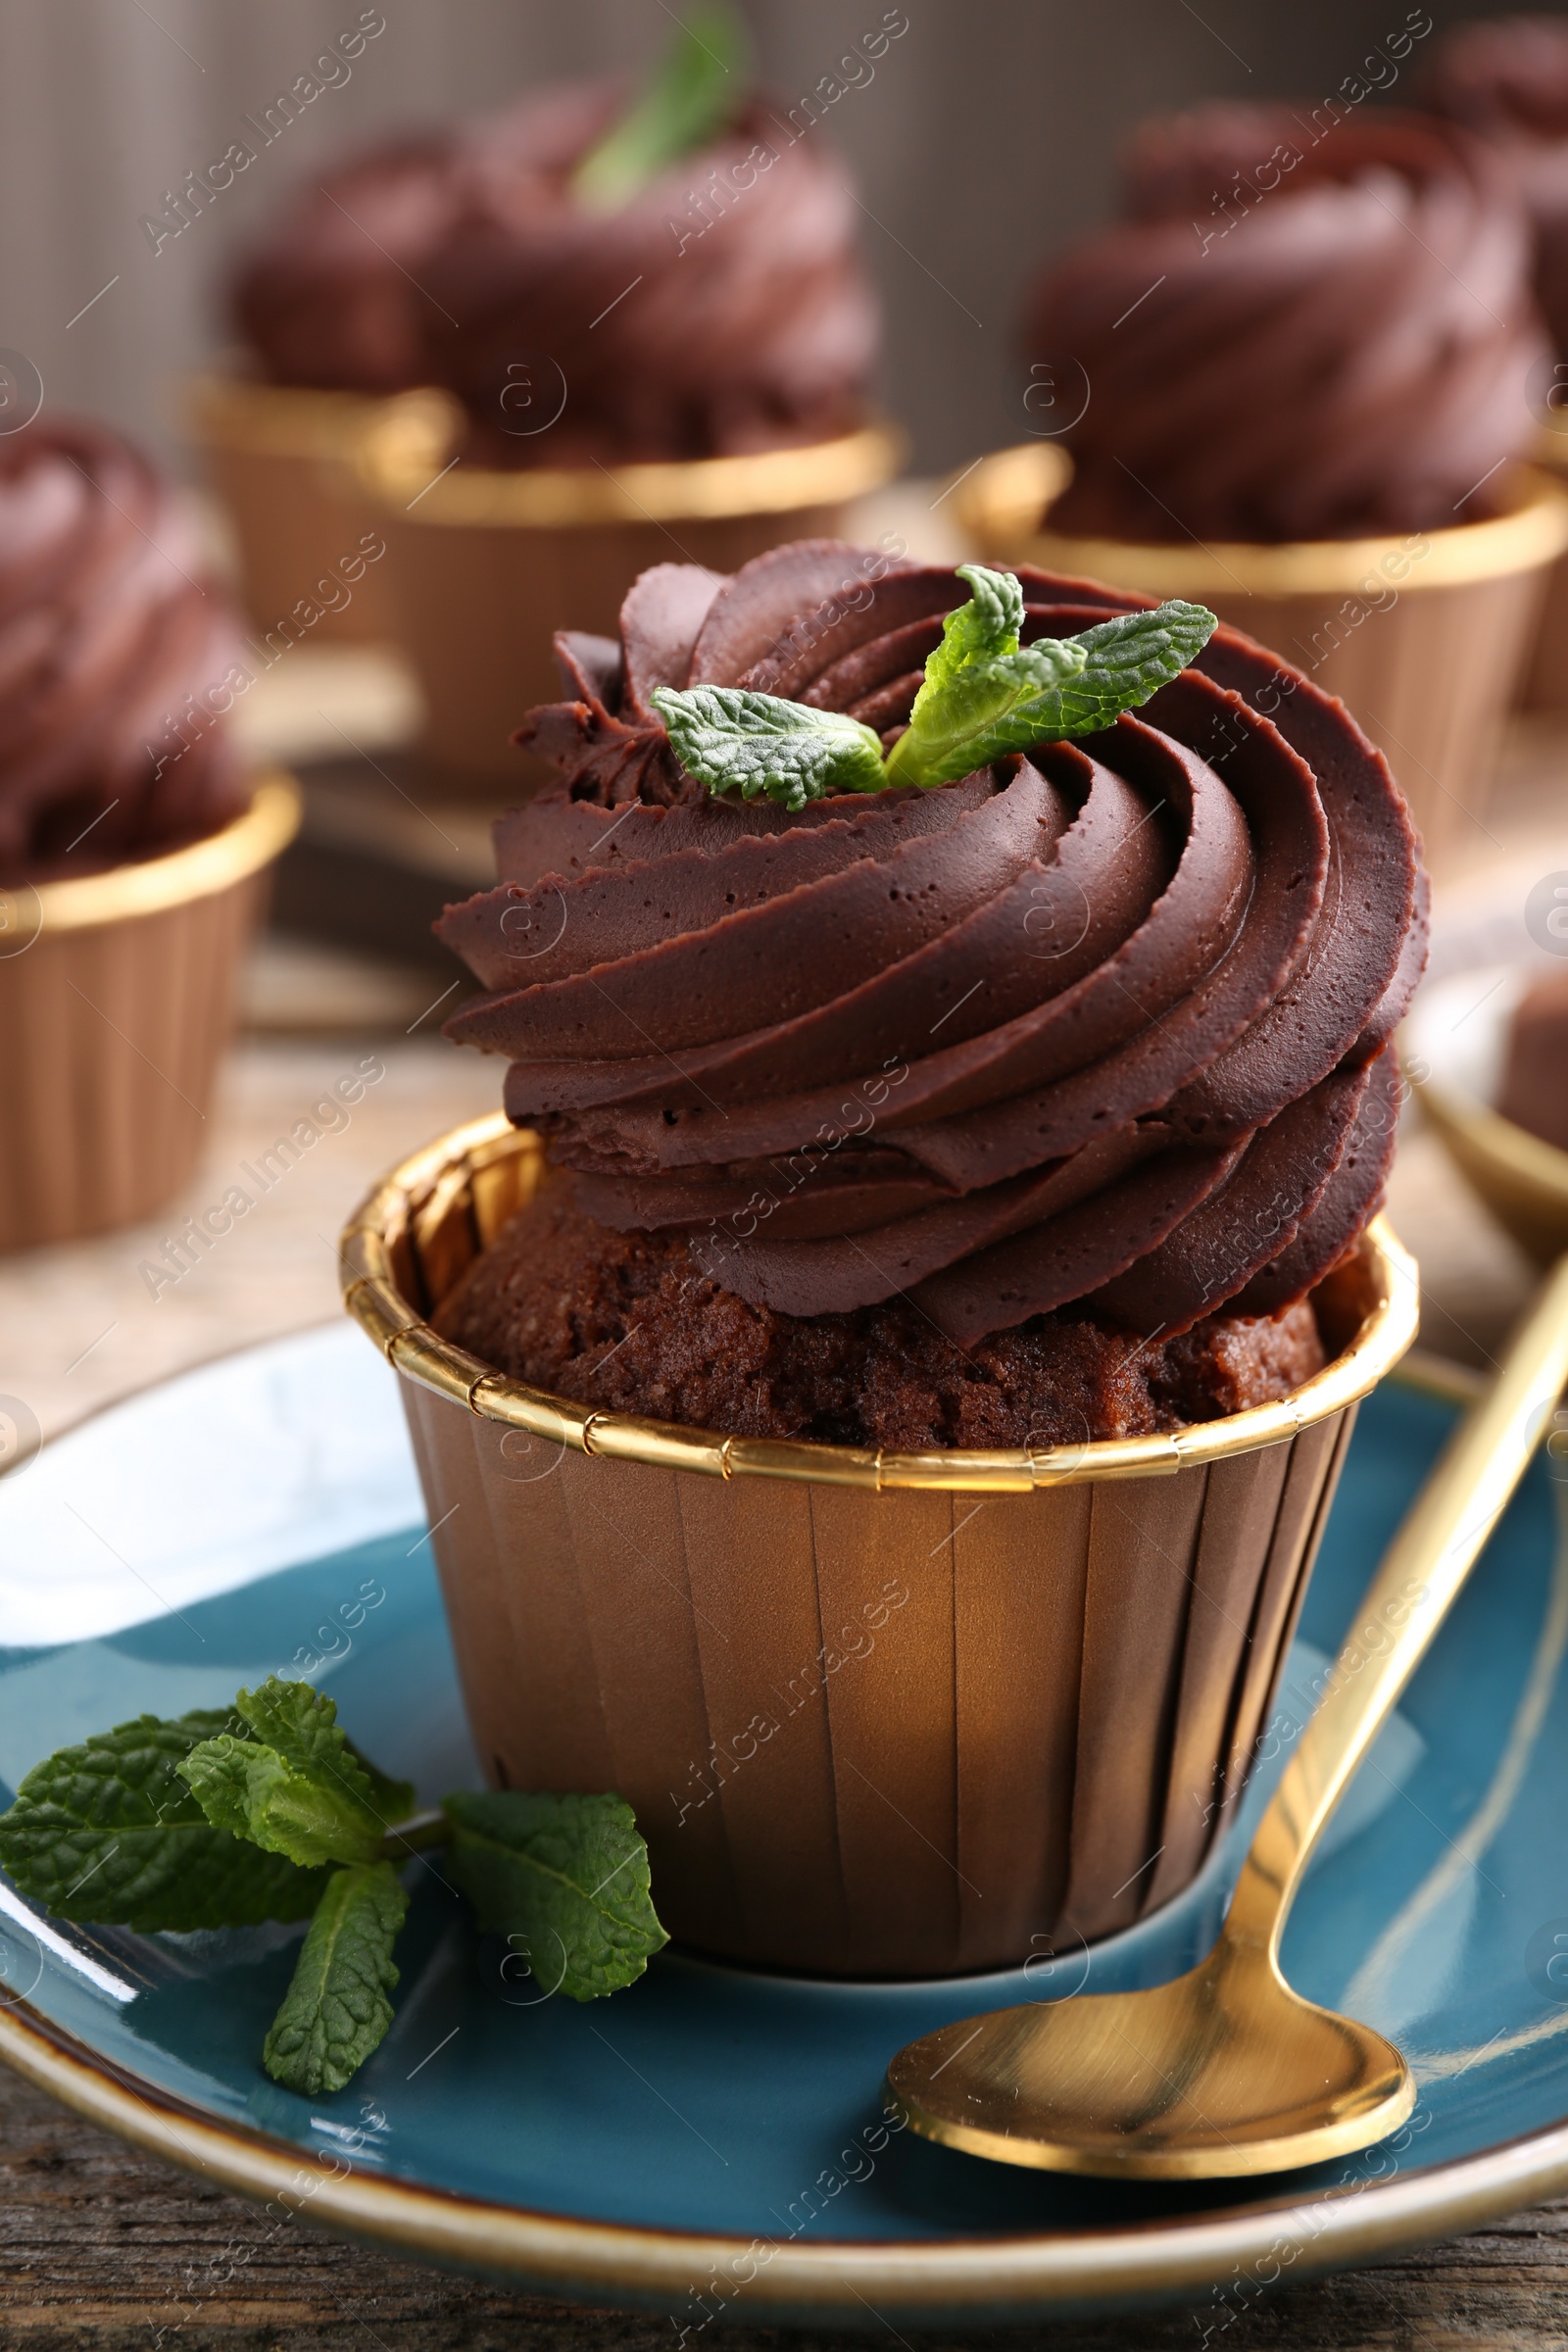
x=404 y=461
x=1001 y=505
x=438 y=1174
x=977 y=2275
x=200 y=870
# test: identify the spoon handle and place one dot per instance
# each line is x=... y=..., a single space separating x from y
x=1422 y=1570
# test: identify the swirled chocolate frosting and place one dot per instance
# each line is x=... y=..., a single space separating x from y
x=113 y=650
x=1305 y=329
x=1106 y=1026
x=722 y=309
x=1508 y=82
x=331 y=299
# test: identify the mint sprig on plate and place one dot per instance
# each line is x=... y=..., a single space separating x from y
x=269 y=1811
x=108 y=1831
x=337 y=2010
x=574 y=1869
x=695 y=88
x=983 y=695
x=292 y=1784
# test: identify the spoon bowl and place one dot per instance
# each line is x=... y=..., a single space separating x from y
x=1226 y=2071
x=1223 y=2071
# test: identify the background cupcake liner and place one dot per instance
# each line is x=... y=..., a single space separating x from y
x=483 y=566
x=1546 y=679
x=877 y=1715
x=281 y=463
x=1425 y=635
x=116 y=998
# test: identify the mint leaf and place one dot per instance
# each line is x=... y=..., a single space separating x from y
x=982 y=695
x=733 y=740
x=953 y=720
x=567 y=1876
x=336 y=2009
x=253 y=1793
x=977 y=708
x=291 y=1783
x=988 y=623
x=301 y=1724
x=694 y=89
x=108 y=1831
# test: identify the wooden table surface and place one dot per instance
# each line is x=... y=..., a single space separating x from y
x=102 y=2247
x=105 y=2251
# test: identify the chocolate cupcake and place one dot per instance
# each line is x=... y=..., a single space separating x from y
x=328 y=319
x=1507 y=83
x=652 y=324
x=1534 y=1089
x=1301 y=365
x=130 y=835
x=719 y=309
x=331 y=299
x=516 y=357
x=1014 y=1128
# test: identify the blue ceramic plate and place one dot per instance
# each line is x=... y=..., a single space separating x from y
x=711 y=2141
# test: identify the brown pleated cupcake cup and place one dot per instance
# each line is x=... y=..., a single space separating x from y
x=118 y=995
x=1424 y=635
x=481 y=563
x=281 y=463
x=879 y=1715
x=1544 y=686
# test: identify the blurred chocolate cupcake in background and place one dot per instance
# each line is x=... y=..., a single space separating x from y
x=330 y=301
x=1534 y=1092
x=1507 y=83
x=653 y=332
x=133 y=840
x=713 y=314
x=1293 y=382
x=328 y=319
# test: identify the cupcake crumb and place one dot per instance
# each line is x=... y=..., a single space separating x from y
x=627 y=1322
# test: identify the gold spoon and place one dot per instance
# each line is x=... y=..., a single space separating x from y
x=1226 y=2069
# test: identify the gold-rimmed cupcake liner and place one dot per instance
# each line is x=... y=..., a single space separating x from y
x=1544 y=686
x=485 y=564
x=1424 y=634
x=281 y=463
x=879 y=1714
x=118 y=995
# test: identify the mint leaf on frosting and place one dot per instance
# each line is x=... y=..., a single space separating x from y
x=567 y=1876
x=737 y=741
x=336 y=2010
x=695 y=88
x=988 y=624
x=108 y=1831
x=983 y=695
